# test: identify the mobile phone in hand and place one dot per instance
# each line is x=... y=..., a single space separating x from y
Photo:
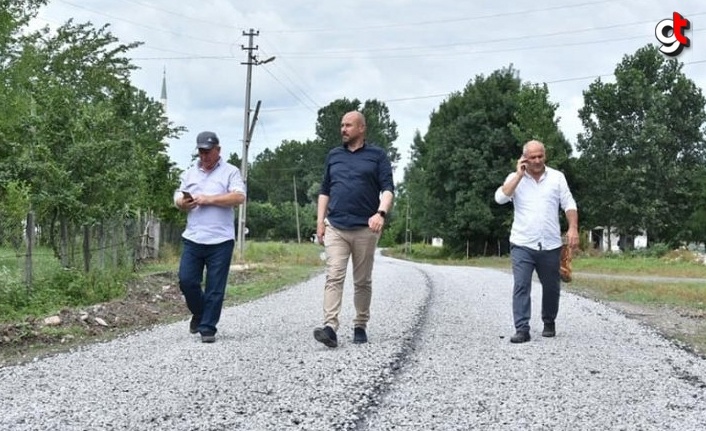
x=187 y=196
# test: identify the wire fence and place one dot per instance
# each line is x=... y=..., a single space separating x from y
x=29 y=249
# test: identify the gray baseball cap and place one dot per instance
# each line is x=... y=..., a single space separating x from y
x=206 y=140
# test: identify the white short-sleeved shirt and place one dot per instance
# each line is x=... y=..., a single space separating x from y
x=211 y=224
x=536 y=221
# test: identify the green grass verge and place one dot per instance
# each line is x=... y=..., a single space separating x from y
x=267 y=267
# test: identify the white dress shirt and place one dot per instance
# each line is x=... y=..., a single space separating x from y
x=536 y=221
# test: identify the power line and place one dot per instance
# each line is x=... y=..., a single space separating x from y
x=304 y=93
x=441 y=21
x=485 y=42
x=440 y=95
x=289 y=91
x=343 y=54
x=211 y=23
x=161 y=30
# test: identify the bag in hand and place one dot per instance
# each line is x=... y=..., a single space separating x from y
x=565 y=264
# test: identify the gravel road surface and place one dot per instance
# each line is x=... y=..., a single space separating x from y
x=439 y=358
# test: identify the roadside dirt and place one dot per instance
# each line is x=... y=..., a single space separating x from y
x=156 y=299
x=684 y=327
x=152 y=300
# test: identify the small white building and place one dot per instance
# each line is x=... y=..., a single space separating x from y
x=618 y=243
x=437 y=242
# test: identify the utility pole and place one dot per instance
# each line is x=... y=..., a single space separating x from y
x=407 y=232
x=296 y=209
x=247 y=135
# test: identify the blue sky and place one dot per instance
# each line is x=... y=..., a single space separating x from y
x=409 y=54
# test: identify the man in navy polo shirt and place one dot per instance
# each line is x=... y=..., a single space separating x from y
x=356 y=195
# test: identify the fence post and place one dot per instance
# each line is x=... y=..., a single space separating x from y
x=29 y=234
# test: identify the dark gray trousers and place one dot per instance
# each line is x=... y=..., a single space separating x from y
x=524 y=262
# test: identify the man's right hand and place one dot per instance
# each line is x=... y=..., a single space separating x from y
x=320 y=231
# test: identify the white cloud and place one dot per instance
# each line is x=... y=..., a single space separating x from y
x=401 y=52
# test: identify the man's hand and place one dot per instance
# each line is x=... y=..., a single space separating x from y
x=572 y=238
x=186 y=204
x=320 y=231
x=376 y=222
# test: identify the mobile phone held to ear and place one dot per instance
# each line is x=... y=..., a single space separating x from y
x=187 y=196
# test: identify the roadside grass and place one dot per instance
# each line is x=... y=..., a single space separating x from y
x=677 y=264
x=267 y=267
x=52 y=287
x=675 y=294
x=643 y=266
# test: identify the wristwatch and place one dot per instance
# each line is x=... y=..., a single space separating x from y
x=382 y=213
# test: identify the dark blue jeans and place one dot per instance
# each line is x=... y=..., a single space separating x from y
x=524 y=262
x=207 y=303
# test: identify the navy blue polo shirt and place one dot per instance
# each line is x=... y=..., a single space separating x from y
x=353 y=181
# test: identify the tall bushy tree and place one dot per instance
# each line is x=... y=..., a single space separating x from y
x=87 y=143
x=472 y=141
x=643 y=147
x=274 y=174
x=14 y=16
x=381 y=129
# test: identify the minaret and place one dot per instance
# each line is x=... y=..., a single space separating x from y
x=163 y=96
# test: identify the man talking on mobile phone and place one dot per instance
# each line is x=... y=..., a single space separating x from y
x=537 y=192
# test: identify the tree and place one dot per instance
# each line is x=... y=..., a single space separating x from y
x=88 y=145
x=380 y=128
x=471 y=144
x=643 y=147
x=276 y=173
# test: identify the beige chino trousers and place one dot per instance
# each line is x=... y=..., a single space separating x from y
x=358 y=245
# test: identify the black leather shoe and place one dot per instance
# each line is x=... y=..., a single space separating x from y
x=208 y=337
x=549 y=330
x=359 y=336
x=194 y=324
x=326 y=335
x=520 y=337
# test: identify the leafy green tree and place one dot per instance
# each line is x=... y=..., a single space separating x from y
x=16 y=206
x=276 y=173
x=643 y=147
x=381 y=129
x=471 y=145
x=696 y=225
x=89 y=145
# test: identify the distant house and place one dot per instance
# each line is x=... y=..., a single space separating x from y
x=437 y=242
x=618 y=242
